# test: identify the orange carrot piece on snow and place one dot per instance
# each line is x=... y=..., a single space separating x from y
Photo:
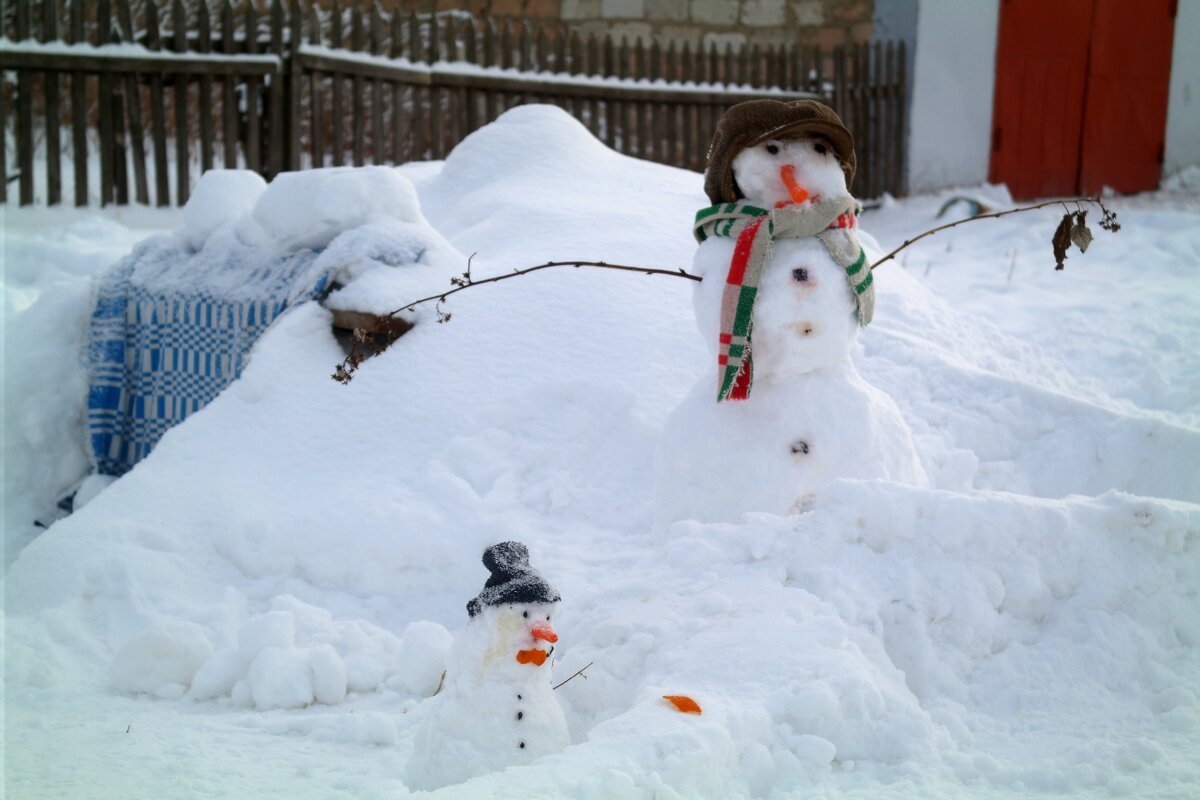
x=683 y=704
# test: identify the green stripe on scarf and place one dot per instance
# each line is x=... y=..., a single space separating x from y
x=745 y=306
x=857 y=265
x=864 y=284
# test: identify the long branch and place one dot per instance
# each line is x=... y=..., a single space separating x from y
x=469 y=282
x=384 y=326
x=380 y=335
x=992 y=215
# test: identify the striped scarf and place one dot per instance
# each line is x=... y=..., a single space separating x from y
x=754 y=229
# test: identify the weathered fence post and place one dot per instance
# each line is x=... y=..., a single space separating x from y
x=378 y=136
x=53 y=149
x=295 y=86
x=316 y=88
x=230 y=118
x=358 y=124
x=253 y=100
x=336 y=119
x=275 y=144
x=134 y=110
x=180 y=94
x=158 y=113
x=204 y=45
x=470 y=96
x=489 y=60
x=400 y=125
x=24 y=103
x=120 y=165
x=79 y=111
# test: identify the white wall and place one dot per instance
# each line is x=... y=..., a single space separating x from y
x=1183 y=105
x=950 y=127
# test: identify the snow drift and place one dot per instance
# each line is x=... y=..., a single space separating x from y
x=1026 y=624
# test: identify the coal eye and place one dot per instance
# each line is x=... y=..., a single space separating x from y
x=820 y=148
x=800 y=274
x=525 y=614
x=772 y=149
x=547 y=618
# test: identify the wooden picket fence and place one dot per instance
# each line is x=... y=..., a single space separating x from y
x=159 y=93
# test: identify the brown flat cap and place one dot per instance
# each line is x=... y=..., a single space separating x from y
x=755 y=121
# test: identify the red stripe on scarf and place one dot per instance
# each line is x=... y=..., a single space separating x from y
x=737 y=274
x=844 y=221
x=741 y=252
x=741 y=384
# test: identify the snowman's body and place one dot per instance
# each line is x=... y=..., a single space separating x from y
x=810 y=417
x=494 y=711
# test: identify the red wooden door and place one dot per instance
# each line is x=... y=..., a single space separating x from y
x=1129 y=74
x=1037 y=118
x=1081 y=95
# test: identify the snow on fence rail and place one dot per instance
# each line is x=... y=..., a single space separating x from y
x=156 y=94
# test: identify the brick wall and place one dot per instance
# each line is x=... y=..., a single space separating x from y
x=764 y=22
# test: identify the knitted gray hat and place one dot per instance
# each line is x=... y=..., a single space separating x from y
x=747 y=124
x=512 y=579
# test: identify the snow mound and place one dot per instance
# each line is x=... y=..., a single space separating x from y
x=289 y=657
x=162 y=659
x=49 y=260
x=311 y=207
x=897 y=625
x=365 y=224
x=536 y=173
x=1186 y=180
x=526 y=144
x=360 y=219
x=221 y=196
x=424 y=650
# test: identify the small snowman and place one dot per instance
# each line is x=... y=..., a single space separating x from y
x=497 y=707
x=786 y=286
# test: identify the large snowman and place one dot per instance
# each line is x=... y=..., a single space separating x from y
x=497 y=707
x=786 y=286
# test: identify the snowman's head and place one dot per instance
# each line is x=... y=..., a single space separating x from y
x=790 y=169
x=517 y=633
x=769 y=128
x=514 y=608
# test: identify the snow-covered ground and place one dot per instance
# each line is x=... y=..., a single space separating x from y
x=1027 y=626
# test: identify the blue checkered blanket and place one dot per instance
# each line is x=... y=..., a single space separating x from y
x=170 y=329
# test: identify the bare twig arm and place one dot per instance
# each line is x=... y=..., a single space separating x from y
x=467 y=281
x=573 y=677
x=1078 y=202
x=381 y=335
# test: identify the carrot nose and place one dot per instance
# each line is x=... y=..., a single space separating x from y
x=788 y=173
x=544 y=632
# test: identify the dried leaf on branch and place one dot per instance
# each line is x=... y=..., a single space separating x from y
x=1072 y=229
x=1061 y=241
